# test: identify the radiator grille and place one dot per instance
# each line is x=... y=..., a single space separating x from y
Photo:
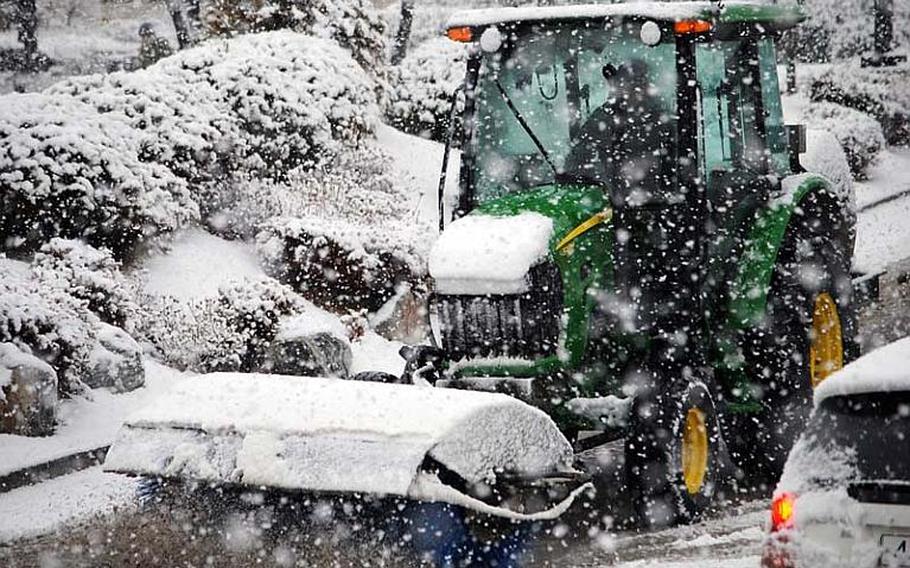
x=524 y=325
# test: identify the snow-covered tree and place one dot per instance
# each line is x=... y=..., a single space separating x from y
x=422 y=87
x=354 y=24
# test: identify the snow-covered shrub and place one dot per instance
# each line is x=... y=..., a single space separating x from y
x=256 y=105
x=824 y=155
x=859 y=134
x=883 y=92
x=838 y=29
x=422 y=86
x=346 y=236
x=227 y=333
x=88 y=274
x=68 y=171
x=296 y=99
x=178 y=116
x=354 y=24
x=46 y=322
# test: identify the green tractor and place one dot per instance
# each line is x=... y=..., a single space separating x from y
x=638 y=251
x=638 y=267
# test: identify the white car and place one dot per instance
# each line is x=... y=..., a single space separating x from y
x=844 y=497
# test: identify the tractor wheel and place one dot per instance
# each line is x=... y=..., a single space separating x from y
x=675 y=456
x=808 y=333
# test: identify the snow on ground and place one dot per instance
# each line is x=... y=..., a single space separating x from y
x=372 y=352
x=84 y=424
x=744 y=562
x=882 y=229
x=197 y=264
x=81 y=496
x=418 y=162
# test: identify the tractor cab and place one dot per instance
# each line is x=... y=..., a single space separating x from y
x=648 y=134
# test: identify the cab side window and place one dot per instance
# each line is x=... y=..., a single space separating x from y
x=774 y=120
x=731 y=120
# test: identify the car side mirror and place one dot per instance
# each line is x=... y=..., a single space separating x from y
x=796 y=143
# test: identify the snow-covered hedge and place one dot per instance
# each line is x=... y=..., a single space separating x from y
x=114 y=158
x=66 y=170
x=342 y=236
x=881 y=92
x=859 y=134
x=354 y=24
x=47 y=322
x=258 y=104
x=838 y=29
x=227 y=333
x=88 y=274
x=422 y=86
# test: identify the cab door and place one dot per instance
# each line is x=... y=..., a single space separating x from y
x=740 y=150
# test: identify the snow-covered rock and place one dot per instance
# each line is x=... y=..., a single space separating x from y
x=28 y=393
x=310 y=344
x=115 y=362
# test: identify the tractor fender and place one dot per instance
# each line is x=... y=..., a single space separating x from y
x=751 y=280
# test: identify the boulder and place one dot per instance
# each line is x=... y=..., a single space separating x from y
x=115 y=361
x=28 y=393
x=404 y=317
x=304 y=347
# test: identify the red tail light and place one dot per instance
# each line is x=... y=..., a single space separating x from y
x=782 y=511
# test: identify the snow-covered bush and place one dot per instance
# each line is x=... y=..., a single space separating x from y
x=227 y=333
x=881 y=92
x=859 y=134
x=422 y=86
x=354 y=24
x=838 y=29
x=88 y=274
x=296 y=99
x=46 y=322
x=113 y=159
x=342 y=236
x=256 y=105
x=68 y=171
x=178 y=117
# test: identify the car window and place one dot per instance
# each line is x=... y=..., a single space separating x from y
x=875 y=426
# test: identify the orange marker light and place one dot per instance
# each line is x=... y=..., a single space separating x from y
x=692 y=27
x=782 y=511
x=462 y=35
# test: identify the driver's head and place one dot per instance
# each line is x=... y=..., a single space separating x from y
x=629 y=79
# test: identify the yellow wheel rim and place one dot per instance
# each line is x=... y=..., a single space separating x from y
x=695 y=451
x=826 y=347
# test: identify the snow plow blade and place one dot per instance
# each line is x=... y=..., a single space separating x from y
x=484 y=451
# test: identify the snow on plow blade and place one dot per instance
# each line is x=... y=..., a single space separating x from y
x=333 y=435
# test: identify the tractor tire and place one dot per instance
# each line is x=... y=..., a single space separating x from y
x=809 y=330
x=675 y=457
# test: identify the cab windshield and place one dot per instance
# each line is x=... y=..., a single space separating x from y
x=550 y=98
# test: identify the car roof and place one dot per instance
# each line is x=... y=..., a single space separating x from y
x=886 y=369
x=776 y=15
